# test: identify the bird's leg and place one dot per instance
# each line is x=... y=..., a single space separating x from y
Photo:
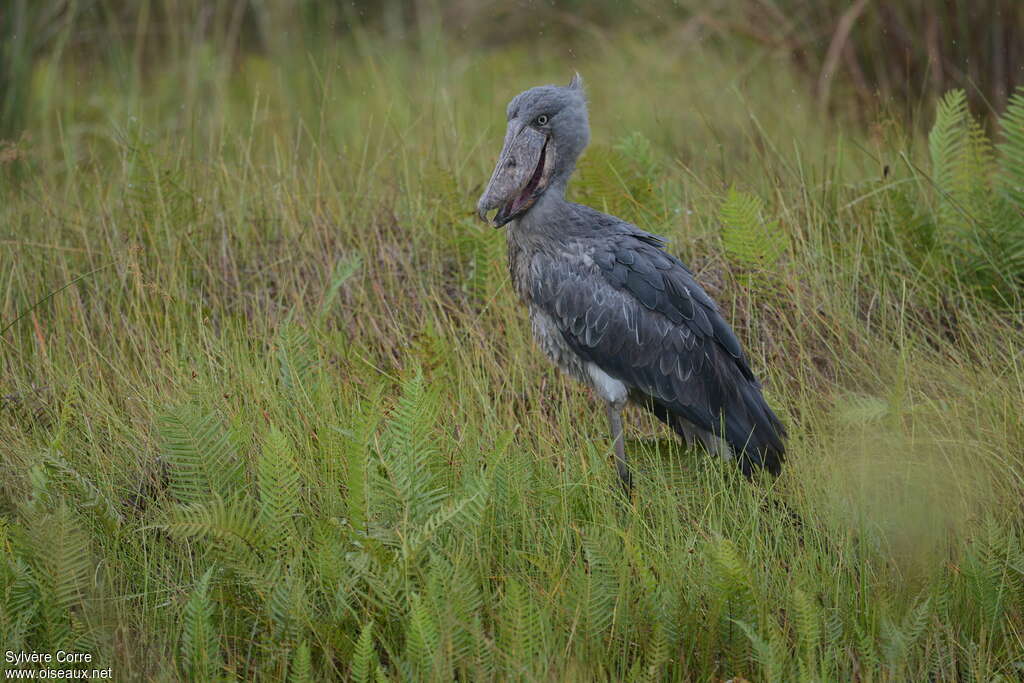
x=618 y=438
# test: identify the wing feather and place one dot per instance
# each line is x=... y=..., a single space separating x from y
x=638 y=314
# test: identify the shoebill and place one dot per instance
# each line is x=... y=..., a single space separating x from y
x=609 y=306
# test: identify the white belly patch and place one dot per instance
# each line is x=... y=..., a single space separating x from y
x=607 y=387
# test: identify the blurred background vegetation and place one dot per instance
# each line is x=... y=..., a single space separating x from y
x=892 y=55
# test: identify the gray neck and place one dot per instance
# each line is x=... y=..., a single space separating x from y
x=548 y=213
x=560 y=179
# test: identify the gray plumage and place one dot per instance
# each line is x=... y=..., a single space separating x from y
x=609 y=306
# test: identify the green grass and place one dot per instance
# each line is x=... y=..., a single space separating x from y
x=271 y=410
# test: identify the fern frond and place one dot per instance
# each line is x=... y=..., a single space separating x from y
x=356 y=450
x=751 y=242
x=484 y=664
x=867 y=649
x=894 y=643
x=1011 y=150
x=602 y=586
x=385 y=586
x=277 y=475
x=731 y=574
x=993 y=581
x=457 y=594
x=364 y=659
x=637 y=148
x=770 y=653
x=423 y=639
x=731 y=583
x=200 y=454
x=916 y=621
x=808 y=621
x=946 y=144
x=20 y=600
x=88 y=492
x=657 y=655
x=302 y=665
x=233 y=527
x=983 y=229
x=410 y=457
x=61 y=562
x=200 y=647
x=962 y=164
x=521 y=625
x=466 y=512
x=861 y=409
x=619 y=179
x=287 y=606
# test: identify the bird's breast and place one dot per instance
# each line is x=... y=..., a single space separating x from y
x=550 y=340
x=520 y=254
x=522 y=250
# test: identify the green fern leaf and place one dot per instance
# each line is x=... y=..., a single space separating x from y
x=277 y=475
x=233 y=527
x=410 y=456
x=62 y=558
x=1011 y=150
x=483 y=664
x=457 y=595
x=982 y=228
x=946 y=144
x=424 y=533
x=602 y=586
x=808 y=621
x=364 y=659
x=770 y=653
x=302 y=665
x=201 y=456
x=916 y=621
x=287 y=606
x=423 y=639
x=657 y=653
x=61 y=563
x=356 y=446
x=856 y=410
x=962 y=163
x=20 y=601
x=731 y=575
x=619 y=179
x=200 y=648
x=754 y=245
x=521 y=624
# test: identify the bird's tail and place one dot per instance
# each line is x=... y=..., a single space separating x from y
x=754 y=432
x=748 y=427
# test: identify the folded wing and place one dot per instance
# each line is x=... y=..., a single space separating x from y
x=638 y=314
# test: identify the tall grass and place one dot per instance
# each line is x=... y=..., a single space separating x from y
x=270 y=409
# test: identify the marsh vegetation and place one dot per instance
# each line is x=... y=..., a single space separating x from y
x=269 y=408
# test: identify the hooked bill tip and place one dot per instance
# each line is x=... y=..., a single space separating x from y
x=482 y=212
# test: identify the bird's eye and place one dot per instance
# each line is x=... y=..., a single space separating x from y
x=541 y=120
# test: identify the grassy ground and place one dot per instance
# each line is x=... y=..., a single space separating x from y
x=270 y=408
